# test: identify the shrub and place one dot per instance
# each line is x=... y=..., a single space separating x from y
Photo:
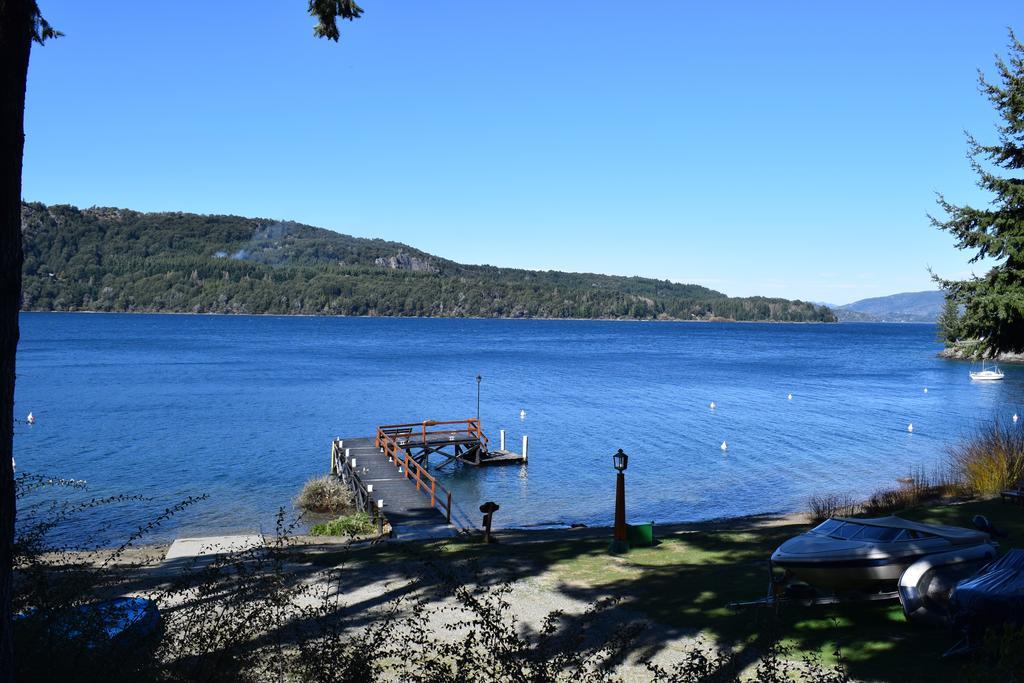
x=821 y=507
x=915 y=489
x=992 y=459
x=61 y=628
x=356 y=524
x=886 y=501
x=325 y=495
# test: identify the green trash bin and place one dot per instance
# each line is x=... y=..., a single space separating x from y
x=640 y=535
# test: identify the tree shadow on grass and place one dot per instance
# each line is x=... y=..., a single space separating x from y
x=683 y=585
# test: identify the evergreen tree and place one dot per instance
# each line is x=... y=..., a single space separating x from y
x=949 y=322
x=993 y=304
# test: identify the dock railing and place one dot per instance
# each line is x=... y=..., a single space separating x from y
x=342 y=467
x=392 y=439
x=414 y=433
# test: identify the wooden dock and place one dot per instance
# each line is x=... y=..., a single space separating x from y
x=389 y=473
x=408 y=507
x=454 y=440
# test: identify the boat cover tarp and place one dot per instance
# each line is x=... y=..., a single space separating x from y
x=995 y=594
x=954 y=534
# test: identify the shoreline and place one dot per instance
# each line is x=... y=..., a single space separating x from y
x=436 y=317
x=762 y=520
x=953 y=353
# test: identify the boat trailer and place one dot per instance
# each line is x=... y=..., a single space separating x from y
x=781 y=593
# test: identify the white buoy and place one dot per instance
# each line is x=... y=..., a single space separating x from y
x=926 y=390
x=712 y=406
x=31 y=419
x=1016 y=417
x=789 y=397
x=910 y=427
x=522 y=414
x=724 y=446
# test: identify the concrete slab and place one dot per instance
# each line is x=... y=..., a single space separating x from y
x=212 y=545
x=424 y=532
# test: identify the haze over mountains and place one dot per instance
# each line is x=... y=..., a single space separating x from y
x=906 y=307
x=109 y=259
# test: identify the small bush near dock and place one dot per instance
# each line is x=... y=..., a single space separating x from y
x=992 y=459
x=325 y=495
x=356 y=524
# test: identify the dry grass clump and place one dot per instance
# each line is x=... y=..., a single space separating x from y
x=992 y=459
x=886 y=501
x=989 y=461
x=824 y=506
x=915 y=489
x=325 y=495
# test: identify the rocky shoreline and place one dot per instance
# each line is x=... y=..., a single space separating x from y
x=955 y=353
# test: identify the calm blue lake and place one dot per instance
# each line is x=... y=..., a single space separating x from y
x=244 y=409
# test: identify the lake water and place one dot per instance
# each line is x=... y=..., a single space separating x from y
x=244 y=409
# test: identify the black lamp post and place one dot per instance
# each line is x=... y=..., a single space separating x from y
x=478 y=378
x=619 y=543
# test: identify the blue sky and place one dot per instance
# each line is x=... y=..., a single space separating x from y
x=786 y=149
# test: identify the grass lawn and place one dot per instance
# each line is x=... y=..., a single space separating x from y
x=686 y=581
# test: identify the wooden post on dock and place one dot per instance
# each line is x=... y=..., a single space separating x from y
x=526 y=445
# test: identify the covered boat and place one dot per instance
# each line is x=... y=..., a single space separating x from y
x=867 y=554
x=994 y=596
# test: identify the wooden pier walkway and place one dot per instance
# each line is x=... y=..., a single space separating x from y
x=412 y=514
x=388 y=474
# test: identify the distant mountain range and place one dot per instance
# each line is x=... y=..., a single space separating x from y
x=104 y=259
x=906 y=307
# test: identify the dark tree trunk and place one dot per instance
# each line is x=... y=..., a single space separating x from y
x=16 y=18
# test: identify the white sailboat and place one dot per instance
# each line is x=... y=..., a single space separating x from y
x=986 y=374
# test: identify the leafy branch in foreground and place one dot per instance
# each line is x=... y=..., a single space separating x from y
x=327 y=13
x=265 y=613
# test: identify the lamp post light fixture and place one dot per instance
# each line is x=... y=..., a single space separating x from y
x=619 y=543
x=620 y=461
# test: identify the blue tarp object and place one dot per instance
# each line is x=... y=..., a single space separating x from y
x=994 y=595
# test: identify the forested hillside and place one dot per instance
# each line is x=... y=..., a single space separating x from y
x=906 y=307
x=104 y=259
